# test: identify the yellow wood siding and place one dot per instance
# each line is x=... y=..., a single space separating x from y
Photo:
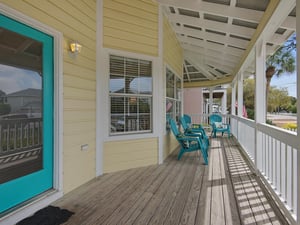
x=173 y=57
x=131 y=26
x=170 y=144
x=172 y=51
x=122 y=155
x=76 y=19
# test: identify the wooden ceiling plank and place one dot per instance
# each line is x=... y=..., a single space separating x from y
x=212 y=25
x=216 y=9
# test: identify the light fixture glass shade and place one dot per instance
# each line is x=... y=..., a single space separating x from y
x=75 y=47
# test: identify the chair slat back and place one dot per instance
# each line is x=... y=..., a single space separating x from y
x=215 y=118
x=187 y=119
x=184 y=123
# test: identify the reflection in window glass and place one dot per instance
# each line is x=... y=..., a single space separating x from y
x=21 y=109
x=173 y=96
x=130 y=95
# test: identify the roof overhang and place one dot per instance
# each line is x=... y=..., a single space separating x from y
x=219 y=36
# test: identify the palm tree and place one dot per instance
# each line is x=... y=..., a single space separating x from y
x=282 y=61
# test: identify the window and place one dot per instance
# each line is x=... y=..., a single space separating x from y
x=173 y=96
x=130 y=91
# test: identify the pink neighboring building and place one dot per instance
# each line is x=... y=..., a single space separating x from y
x=193 y=101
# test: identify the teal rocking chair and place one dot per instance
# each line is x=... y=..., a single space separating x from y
x=188 y=143
x=215 y=121
x=190 y=128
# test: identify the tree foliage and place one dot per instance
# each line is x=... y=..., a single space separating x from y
x=283 y=60
x=278 y=98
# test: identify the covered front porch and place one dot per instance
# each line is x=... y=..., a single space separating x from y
x=113 y=153
x=227 y=191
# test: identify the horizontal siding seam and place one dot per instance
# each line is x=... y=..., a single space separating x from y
x=130 y=40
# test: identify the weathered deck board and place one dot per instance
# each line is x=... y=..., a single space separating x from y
x=177 y=192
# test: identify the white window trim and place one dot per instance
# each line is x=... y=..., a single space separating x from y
x=104 y=109
x=167 y=66
x=139 y=95
x=50 y=196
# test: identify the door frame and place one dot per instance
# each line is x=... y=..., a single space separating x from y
x=48 y=197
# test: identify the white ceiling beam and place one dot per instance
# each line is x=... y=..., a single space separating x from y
x=219 y=61
x=232 y=60
x=198 y=65
x=212 y=70
x=278 y=39
x=205 y=58
x=219 y=65
x=211 y=36
x=187 y=72
x=200 y=46
x=216 y=9
x=278 y=11
x=289 y=23
x=212 y=25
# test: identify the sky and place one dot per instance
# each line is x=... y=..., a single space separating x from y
x=288 y=81
x=13 y=79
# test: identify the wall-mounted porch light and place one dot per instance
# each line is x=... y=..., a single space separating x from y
x=75 y=47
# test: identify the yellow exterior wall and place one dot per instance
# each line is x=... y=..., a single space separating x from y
x=121 y=155
x=79 y=75
x=170 y=144
x=172 y=51
x=131 y=25
x=173 y=57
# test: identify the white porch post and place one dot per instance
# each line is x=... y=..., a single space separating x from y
x=240 y=94
x=298 y=112
x=260 y=82
x=260 y=98
x=233 y=98
x=224 y=102
x=211 y=99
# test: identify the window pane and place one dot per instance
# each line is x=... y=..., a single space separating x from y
x=141 y=85
x=117 y=84
x=173 y=97
x=130 y=112
x=178 y=88
x=170 y=84
x=145 y=105
x=131 y=67
x=116 y=65
x=145 y=68
x=21 y=106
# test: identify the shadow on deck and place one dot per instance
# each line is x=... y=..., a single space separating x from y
x=177 y=192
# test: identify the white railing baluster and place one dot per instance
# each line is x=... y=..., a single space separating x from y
x=275 y=153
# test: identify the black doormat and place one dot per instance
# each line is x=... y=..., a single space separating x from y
x=47 y=216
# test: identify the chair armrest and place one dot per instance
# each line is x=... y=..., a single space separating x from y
x=188 y=138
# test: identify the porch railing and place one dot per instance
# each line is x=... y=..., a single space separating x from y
x=18 y=134
x=273 y=153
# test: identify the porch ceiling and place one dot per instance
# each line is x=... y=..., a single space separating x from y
x=218 y=35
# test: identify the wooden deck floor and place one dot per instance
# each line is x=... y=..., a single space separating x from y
x=177 y=192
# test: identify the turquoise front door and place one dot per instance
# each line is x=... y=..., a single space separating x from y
x=26 y=113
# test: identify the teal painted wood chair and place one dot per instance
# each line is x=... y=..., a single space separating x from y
x=215 y=120
x=188 y=143
x=190 y=128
